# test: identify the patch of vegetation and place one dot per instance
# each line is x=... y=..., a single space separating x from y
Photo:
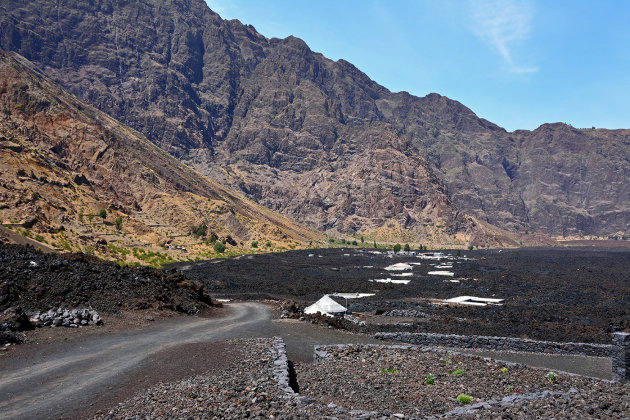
x=219 y=247
x=152 y=258
x=458 y=372
x=389 y=371
x=429 y=380
x=118 y=250
x=464 y=399
x=198 y=231
x=503 y=370
x=470 y=247
x=509 y=389
x=102 y=213
x=64 y=242
x=254 y=244
x=406 y=248
x=552 y=377
x=118 y=222
x=397 y=248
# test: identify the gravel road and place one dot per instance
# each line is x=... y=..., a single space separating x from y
x=54 y=380
x=72 y=379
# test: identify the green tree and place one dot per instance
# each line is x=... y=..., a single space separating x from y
x=397 y=248
x=102 y=213
x=407 y=248
x=459 y=253
x=219 y=247
x=254 y=244
x=362 y=239
x=118 y=223
x=198 y=230
x=375 y=244
x=470 y=247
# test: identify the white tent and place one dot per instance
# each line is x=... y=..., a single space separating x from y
x=326 y=306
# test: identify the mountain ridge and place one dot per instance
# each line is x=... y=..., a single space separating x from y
x=288 y=127
x=82 y=162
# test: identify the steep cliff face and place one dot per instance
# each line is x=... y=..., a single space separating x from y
x=64 y=161
x=316 y=139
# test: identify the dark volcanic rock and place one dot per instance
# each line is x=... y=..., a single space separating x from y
x=316 y=139
x=45 y=281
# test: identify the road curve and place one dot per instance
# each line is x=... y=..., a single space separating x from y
x=56 y=380
x=65 y=379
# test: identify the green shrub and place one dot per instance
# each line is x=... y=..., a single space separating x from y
x=552 y=377
x=375 y=244
x=118 y=223
x=355 y=243
x=407 y=248
x=429 y=380
x=503 y=370
x=389 y=371
x=198 y=230
x=470 y=247
x=459 y=253
x=397 y=248
x=458 y=372
x=464 y=399
x=219 y=247
x=254 y=244
x=362 y=239
x=268 y=244
x=102 y=213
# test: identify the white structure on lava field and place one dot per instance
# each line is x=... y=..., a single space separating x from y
x=325 y=306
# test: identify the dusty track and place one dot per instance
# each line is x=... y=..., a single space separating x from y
x=62 y=379
x=74 y=379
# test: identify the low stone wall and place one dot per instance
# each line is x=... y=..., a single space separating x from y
x=621 y=357
x=498 y=343
x=619 y=351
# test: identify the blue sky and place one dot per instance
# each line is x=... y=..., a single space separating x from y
x=518 y=64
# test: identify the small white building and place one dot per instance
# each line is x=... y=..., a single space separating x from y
x=326 y=306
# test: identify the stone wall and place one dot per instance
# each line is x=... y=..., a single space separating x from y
x=619 y=351
x=621 y=357
x=498 y=343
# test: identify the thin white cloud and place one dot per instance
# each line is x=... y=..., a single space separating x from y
x=504 y=24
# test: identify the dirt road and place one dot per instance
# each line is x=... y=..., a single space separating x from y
x=56 y=380
x=74 y=379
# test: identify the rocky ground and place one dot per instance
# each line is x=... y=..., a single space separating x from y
x=33 y=281
x=550 y=294
x=371 y=382
x=38 y=282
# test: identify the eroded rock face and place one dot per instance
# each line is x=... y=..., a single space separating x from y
x=316 y=139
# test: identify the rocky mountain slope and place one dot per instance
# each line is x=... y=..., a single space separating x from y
x=315 y=139
x=74 y=178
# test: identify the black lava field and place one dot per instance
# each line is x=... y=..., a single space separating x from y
x=556 y=294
